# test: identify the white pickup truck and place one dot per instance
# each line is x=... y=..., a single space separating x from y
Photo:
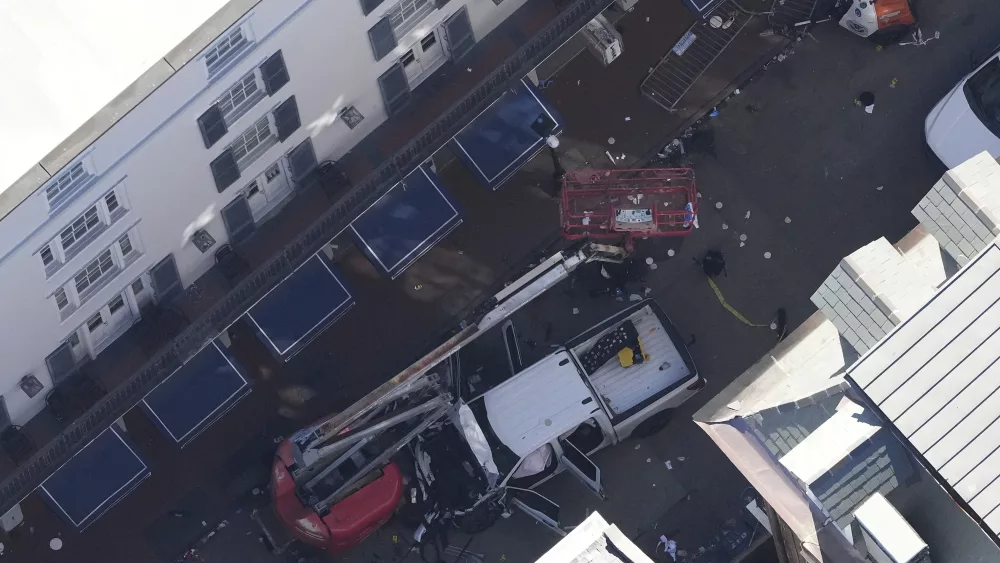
x=428 y=445
x=552 y=415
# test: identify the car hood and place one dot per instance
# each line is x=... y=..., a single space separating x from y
x=955 y=134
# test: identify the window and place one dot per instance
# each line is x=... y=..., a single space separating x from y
x=408 y=58
x=116 y=304
x=61 y=300
x=66 y=183
x=94 y=271
x=111 y=201
x=137 y=287
x=46 y=254
x=429 y=41
x=125 y=244
x=241 y=97
x=74 y=340
x=257 y=135
x=982 y=91
x=408 y=13
x=225 y=50
x=95 y=322
x=79 y=227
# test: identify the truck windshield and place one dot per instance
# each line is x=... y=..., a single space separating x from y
x=504 y=458
x=982 y=91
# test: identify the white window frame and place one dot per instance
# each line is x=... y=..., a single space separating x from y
x=251 y=81
x=228 y=48
x=119 y=262
x=406 y=14
x=254 y=133
x=62 y=253
x=64 y=298
x=61 y=187
x=76 y=232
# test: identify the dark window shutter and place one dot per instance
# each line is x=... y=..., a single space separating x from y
x=302 y=160
x=166 y=280
x=458 y=29
x=395 y=89
x=225 y=170
x=238 y=219
x=274 y=73
x=212 y=126
x=60 y=363
x=440 y=3
x=286 y=118
x=382 y=37
x=367 y=6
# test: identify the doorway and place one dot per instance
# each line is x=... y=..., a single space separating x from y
x=423 y=58
x=109 y=322
x=268 y=190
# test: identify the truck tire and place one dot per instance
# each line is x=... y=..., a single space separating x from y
x=653 y=424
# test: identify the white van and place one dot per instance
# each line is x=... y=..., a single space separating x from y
x=966 y=121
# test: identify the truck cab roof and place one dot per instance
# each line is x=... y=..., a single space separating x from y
x=545 y=400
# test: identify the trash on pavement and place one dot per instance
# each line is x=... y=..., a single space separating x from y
x=611 y=140
x=788 y=219
x=918 y=38
x=634 y=297
x=893 y=83
x=653 y=266
x=649 y=459
x=669 y=465
x=627 y=118
x=55 y=544
x=681 y=458
x=637 y=446
x=742 y=244
x=576 y=311
x=669 y=547
x=725 y=226
x=743 y=237
x=670 y=252
x=748 y=215
x=767 y=255
x=611 y=158
x=649 y=260
x=879 y=188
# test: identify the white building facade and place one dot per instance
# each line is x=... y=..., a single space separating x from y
x=137 y=129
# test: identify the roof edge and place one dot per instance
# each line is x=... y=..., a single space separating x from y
x=135 y=93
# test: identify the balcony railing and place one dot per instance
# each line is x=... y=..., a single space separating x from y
x=337 y=218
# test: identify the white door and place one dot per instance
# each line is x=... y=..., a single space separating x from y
x=411 y=66
x=431 y=51
x=538 y=507
x=275 y=181
x=142 y=291
x=108 y=323
x=256 y=199
x=581 y=467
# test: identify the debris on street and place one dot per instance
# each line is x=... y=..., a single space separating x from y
x=788 y=220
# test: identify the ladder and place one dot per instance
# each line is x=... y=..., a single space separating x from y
x=690 y=57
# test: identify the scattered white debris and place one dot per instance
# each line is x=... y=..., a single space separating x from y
x=653 y=266
x=627 y=118
x=204 y=523
x=418 y=287
x=255 y=491
x=670 y=252
x=668 y=464
x=742 y=244
x=725 y=227
x=648 y=291
x=612 y=159
x=681 y=458
x=788 y=220
x=649 y=459
x=634 y=297
x=637 y=446
x=649 y=260
x=743 y=237
x=736 y=91
x=748 y=215
x=577 y=82
x=586 y=220
x=879 y=188
x=611 y=140
x=718 y=205
x=55 y=544
x=699 y=195
x=468 y=69
x=773 y=326
x=647 y=18
x=576 y=311
x=767 y=255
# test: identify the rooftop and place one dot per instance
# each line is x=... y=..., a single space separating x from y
x=81 y=67
x=936 y=379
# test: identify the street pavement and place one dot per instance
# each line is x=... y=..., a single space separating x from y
x=790 y=145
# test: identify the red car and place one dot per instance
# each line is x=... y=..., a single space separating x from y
x=348 y=521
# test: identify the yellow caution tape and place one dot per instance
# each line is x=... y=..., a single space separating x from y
x=718 y=293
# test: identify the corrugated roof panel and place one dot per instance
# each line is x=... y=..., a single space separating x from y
x=937 y=378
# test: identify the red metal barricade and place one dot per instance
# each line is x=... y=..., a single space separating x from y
x=655 y=202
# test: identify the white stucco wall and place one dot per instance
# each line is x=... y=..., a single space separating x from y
x=157 y=154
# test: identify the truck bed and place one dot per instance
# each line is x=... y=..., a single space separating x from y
x=669 y=364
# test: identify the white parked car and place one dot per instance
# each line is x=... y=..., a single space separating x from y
x=966 y=121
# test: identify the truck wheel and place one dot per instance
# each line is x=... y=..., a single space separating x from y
x=653 y=424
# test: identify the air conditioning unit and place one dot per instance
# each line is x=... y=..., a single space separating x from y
x=886 y=535
x=626 y=5
x=603 y=40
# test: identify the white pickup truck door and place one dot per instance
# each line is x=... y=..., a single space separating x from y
x=537 y=506
x=581 y=466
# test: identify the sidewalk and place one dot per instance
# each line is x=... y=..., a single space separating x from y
x=501 y=229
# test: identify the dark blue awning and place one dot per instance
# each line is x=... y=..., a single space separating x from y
x=197 y=394
x=507 y=134
x=300 y=307
x=406 y=222
x=95 y=479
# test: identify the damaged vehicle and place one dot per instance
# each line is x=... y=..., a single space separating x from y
x=435 y=445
